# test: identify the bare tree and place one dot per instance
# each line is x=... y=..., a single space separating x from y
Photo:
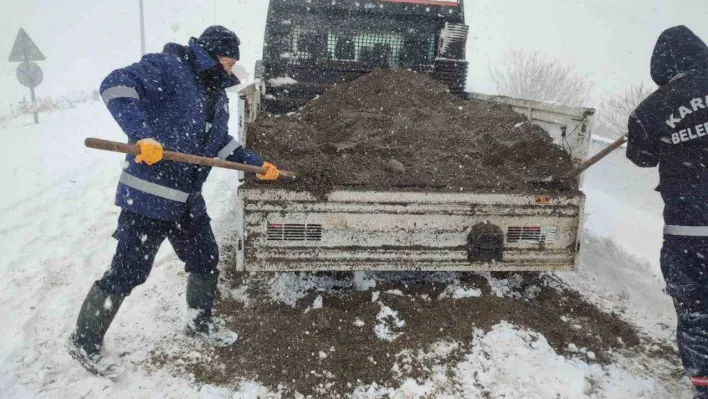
x=536 y=77
x=615 y=111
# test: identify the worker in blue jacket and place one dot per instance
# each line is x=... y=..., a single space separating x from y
x=670 y=129
x=174 y=100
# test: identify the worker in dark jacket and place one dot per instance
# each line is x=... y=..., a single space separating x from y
x=174 y=100
x=670 y=129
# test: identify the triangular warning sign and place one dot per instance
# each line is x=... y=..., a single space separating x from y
x=25 y=47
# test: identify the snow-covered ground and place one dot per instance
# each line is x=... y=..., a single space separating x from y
x=57 y=218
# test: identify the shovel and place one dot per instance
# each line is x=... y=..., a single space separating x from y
x=114 y=146
x=583 y=166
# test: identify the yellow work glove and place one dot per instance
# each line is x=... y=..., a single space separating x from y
x=271 y=173
x=150 y=151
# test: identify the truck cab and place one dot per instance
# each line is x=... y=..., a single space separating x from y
x=310 y=44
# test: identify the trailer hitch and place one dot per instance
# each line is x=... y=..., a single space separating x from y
x=485 y=242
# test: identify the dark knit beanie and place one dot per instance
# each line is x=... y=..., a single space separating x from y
x=219 y=41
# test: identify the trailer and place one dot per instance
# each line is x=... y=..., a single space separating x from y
x=284 y=230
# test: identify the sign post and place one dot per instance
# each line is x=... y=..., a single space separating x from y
x=28 y=73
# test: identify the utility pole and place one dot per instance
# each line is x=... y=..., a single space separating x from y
x=142 y=28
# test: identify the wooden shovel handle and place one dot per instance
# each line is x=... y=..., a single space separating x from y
x=115 y=146
x=595 y=158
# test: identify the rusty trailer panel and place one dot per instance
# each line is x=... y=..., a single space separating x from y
x=286 y=230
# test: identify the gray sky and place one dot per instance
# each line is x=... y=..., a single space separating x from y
x=610 y=41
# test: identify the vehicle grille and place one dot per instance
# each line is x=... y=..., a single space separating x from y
x=530 y=234
x=294 y=232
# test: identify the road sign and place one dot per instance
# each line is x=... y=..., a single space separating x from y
x=25 y=49
x=29 y=74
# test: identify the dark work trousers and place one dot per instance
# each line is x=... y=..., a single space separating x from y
x=684 y=263
x=140 y=237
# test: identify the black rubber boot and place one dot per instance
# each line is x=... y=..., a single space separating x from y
x=96 y=314
x=201 y=289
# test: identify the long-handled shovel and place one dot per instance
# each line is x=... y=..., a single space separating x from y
x=114 y=146
x=583 y=166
